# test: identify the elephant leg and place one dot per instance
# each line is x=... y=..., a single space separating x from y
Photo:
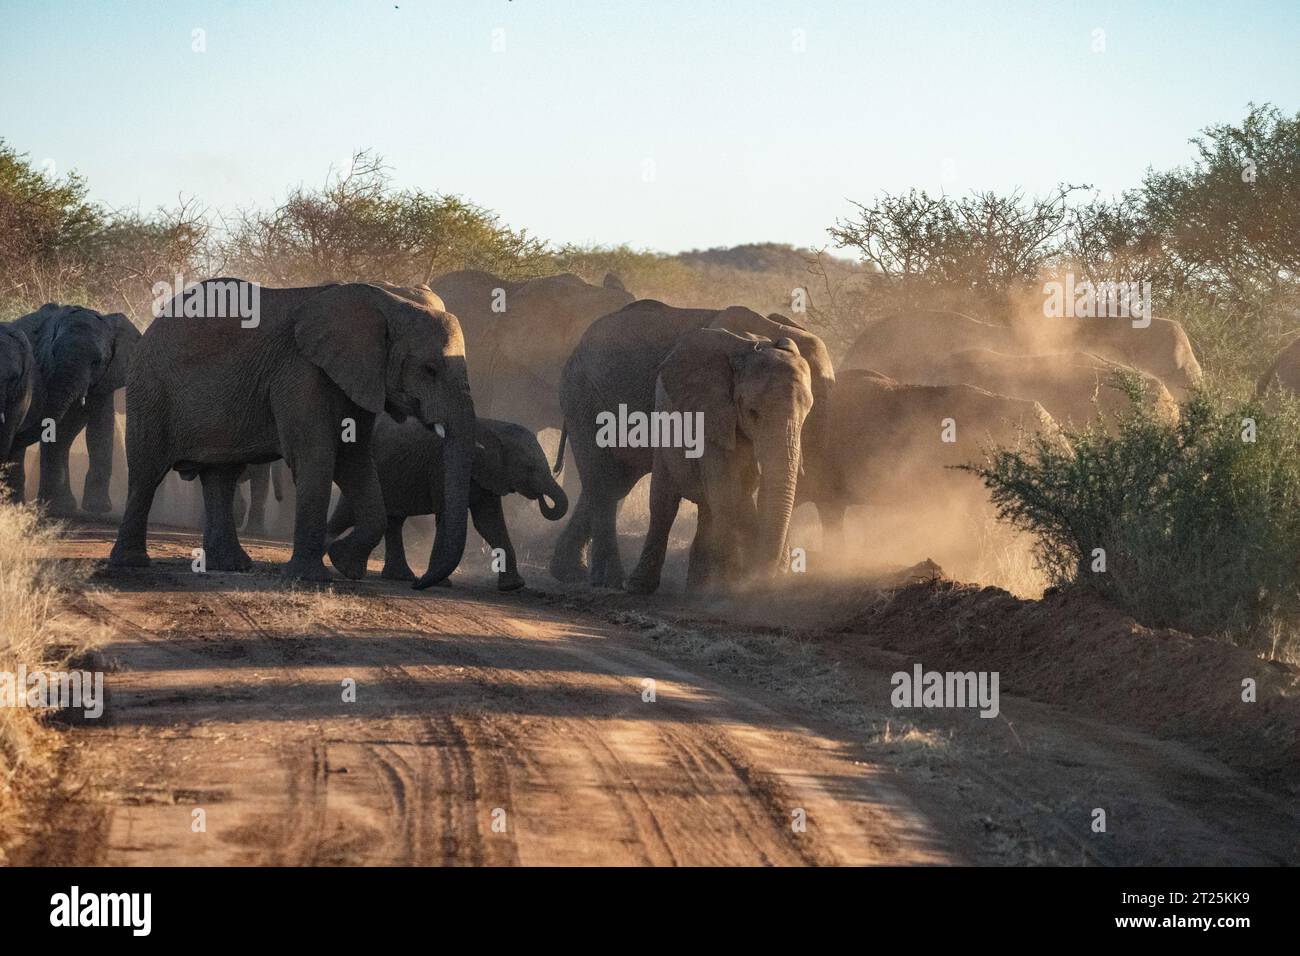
x=566 y=563
x=237 y=507
x=359 y=480
x=664 y=502
x=15 y=476
x=259 y=479
x=54 y=488
x=490 y=522
x=831 y=516
x=395 y=566
x=311 y=484
x=143 y=479
x=606 y=563
x=700 y=571
x=101 y=425
x=341 y=518
x=221 y=548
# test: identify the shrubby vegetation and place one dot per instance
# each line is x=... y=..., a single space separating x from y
x=1197 y=521
x=1219 y=240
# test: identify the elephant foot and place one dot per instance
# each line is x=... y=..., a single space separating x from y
x=223 y=560
x=61 y=507
x=640 y=583
x=256 y=529
x=509 y=581
x=306 y=569
x=402 y=573
x=121 y=557
x=613 y=580
x=567 y=572
x=96 y=503
x=349 y=560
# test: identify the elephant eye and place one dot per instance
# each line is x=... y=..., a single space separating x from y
x=431 y=368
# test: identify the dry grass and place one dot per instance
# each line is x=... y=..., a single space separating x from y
x=32 y=587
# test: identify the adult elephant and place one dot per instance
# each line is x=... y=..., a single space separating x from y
x=1161 y=348
x=519 y=335
x=303 y=381
x=752 y=396
x=1283 y=372
x=908 y=345
x=82 y=357
x=616 y=363
x=895 y=443
x=1074 y=387
x=17 y=378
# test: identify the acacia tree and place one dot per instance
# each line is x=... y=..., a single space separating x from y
x=967 y=253
x=358 y=227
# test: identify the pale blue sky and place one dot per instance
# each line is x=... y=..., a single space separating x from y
x=750 y=139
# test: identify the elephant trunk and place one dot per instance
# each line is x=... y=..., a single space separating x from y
x=68 y=382
x=453 y=523
x=780 y=474
x=556 y=510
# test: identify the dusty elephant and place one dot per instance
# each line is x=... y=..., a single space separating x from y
x=751 y=397
x=303 y=380
x=895 y=443
x=518 y=336
x=616 y=363
x=1283 y=372
x=260 y=479
x=409 y=458
x=1072 y=386
x=17 y=380
x=82 y=358
x=908 y=346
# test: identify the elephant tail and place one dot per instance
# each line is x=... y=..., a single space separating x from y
x=559 y=456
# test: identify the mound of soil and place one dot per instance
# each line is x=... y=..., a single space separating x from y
x=1073 y=650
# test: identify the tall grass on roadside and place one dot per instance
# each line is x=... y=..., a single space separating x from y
x=32 y=585
x=1197 y=522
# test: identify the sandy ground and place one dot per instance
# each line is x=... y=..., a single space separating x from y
x=517 y=729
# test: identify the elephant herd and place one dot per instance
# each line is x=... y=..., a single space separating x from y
x=428 y=401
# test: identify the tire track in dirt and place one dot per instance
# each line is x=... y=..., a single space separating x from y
x=472 y=709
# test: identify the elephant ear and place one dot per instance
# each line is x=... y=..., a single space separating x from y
x=342 y=330
x=125 y=336
x=491 y=462
x=697 y=377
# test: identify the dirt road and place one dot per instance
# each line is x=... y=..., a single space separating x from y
x=366 y=723
x=484 y=730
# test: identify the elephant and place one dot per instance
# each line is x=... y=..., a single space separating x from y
x=1283 y=371
x=895 y=443
x=507 y=460
x=17 y=378
x=302 y=378
x=1162 y=349
x=752 y=396
x=907 y=346
x=616 y=363
x=260 y=479
x=1071 y=386
x=82 y=357
x=519 y=334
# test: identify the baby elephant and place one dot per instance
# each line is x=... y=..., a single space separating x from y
x=408 y=457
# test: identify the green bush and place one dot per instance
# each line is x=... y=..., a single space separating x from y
x=1200 y=526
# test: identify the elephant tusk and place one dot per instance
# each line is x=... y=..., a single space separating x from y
x=441 y=429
